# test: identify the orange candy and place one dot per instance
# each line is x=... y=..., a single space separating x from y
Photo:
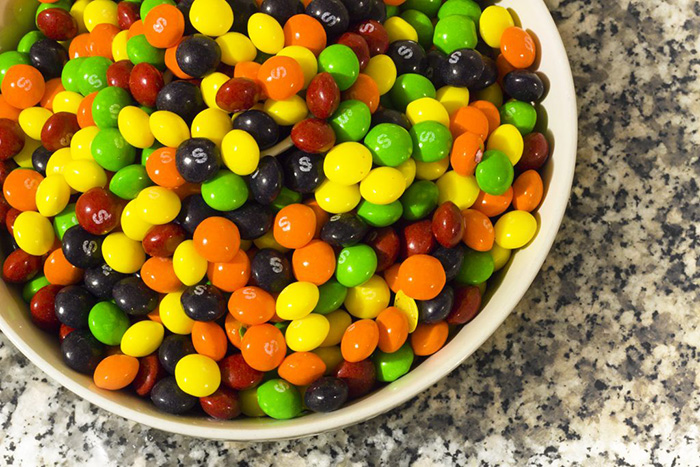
x=164 y=26
x=321 y=216
x=233 y=330
x=302 y=368
x=251 y=305
x=217 y=239
x=294 y=226
x=209 y=339
x=490 y=112
x=59 y=271
x=493 y=205
x=365 y=90
x=20 y=189
x=504 y=67
x=80 y=46
x=429 y=338
x=360 y=340
x=421 y=277
x=85 y=111
x=467 y=151
x=527 y=191
x=7 y=111
x=23 y=86
x=478 y=230
x=162 y=169
x=159 y=274
x=263 y=347
x=171 y=62
x=393 y=329
x=137 y=28
x=281 y=77
x=53 y=87
x=391 y=276
x=248 y=70
x=230 y=276
x=314 y=262
x=305 y=31
x=469 y=119
x=116 y=372
x=101 y=38
x=518 y=47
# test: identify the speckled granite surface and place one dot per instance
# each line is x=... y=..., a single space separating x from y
x=598 y=365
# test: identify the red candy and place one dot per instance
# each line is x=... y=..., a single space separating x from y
x=358 y=44
x=313 y=135
x=222 y=405
x=386 y=245
x=20 y=267
x=11 y=139
x=323 y=95
x=237 y=374
x=145 y=82
x=375 y=36
x=238 y=94
x=150 y=371
x=59 y=130
x=98 y=211
x=448 y=224
x=535 y=152
x=466 y=306
x=359 y=376
x=162 y=240
x=42 y=310
x=127 y=14
x=57 y=24
x=418 y=239
x=118 y=74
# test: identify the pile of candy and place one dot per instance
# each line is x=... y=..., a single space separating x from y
x=269 y=206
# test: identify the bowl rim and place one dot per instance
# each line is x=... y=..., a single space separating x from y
x=428 y=373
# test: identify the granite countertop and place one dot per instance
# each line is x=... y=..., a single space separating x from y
x=598 y=365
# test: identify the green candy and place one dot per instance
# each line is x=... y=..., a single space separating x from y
x=91 y=75
x=285 y=198
x=494 y=174
x=419 y=200
x=422 y=24
x=248 y=398
x=111 y=151
x=390 y=144
x=33 y=286
x=331 y=296
x=341 y=62
x=11 y=58
x=225 y=192
x=279 y=399
x=140 y=51
x=28 y=40
x=427 y=7
x=356 y=265
x=392 y=366
x=128 y=182
x=391 y=10
x=148 y=5
x=351 y=121
x=70 y=75
x=410 y=87
x=477 y=267
x=454 y=33
x=108 y=323
x=467 y=8
x=386 y=102
x=107 y=105
x=522 y=115
x=62 y=4
x=380 y=215
x=432 y=141
x=65 y=220
x=146 y=152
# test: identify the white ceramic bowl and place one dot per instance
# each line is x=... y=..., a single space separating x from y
x=560 y=104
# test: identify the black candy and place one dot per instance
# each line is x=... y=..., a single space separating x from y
x=100 y=281
x=390 y=116
x=168 y=397
x=344 y=230
x=81 y=248
x=461 y=68
x=197 y=159
x=198 y=55
x=436 y=309
x=48 y=56
x=261 y=126
x=303 y=172
x=267 y=180
x=203 y=302
x=81 y=351
x=408 y=56
x=358 y=10
x=72 y=305
x=172 y=349
x=40 y=157
x=281 y=10
x=377 y=11
x=193 y=211
x=326 y=394
x=523 y=85
x=270 y=270
x=332 y=14
x=242 y=11
x=488 y=76
x=134 y=297
x=182 y=98
x=451 y=260
x=432 y=72
x=252 y=219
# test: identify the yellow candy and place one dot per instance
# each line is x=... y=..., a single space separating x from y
x=212 y=124
x=32 y=120
x=142 y=338
x=173 y=316
x=240 y=152
x=335 y=198
x=197 y=375
x=515 y=229
x=427 y=109
x=81 y=142
x=210 y=86
x=122 y=253
x=339 y=320
x=158 y=205
x=67 y=101
x=507 y=138
x=331 y=356
x=383 y=185
x=297 y=300
x=77 y=11
x=348 y=163
x=306 y=334
x=382 y=70
x=100 y=12
x=133 y=125
x=265 y=33
x=119 y=46
x=408 y=307
x=52 y=195
x=399 y=29
x=366 y=301
x=462 y=191
x=189 y=266
x=82 y=175
x=236 y=48
x=24 y=158
x=305 y=58
x=58 y=161
x=33 y=233
x=287 y=112
x=408 y=170
x=132 y=225
x=500 y=257
x=453 y=98
x=211 y=17
x=492 y=22
x=492 y=94
x=432 y=170
x=268 y=241
x=168 y=128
